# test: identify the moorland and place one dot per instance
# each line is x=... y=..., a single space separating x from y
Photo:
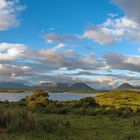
x=114 y=115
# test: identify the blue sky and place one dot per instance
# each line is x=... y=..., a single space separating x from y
x=91 y=41
x=64 y=16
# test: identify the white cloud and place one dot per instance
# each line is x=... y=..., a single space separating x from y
x=106 y=82
x=60 y=46
x=133 y=60
x=38 y=64
x=123 y=22
x=69 y=59
x=100 y=34
x=9 y=51
x=13 y=70
x=113 y=30
x=8 y=14
x=98 y=81
x=121 y=27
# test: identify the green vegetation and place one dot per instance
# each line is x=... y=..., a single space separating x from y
x=38 y=99
x=16 y=120
x=111 y=116
x=119 y=99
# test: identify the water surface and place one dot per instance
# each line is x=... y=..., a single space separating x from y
x=69 y=96
x=52 y=96
x=13 y=96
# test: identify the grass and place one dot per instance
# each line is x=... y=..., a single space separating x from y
x=16 y=120
x=75 y=120
x=120 y=98
x=71 y=127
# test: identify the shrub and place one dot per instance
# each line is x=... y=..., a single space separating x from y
x=88 y=102
x=40 y=93
x=38 y=99
x=135 y=109
x=123 y=112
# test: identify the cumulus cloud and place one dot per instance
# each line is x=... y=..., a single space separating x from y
x=10 y=51
x=51 y=61
x=122 y=62
x=123 y=28
x=53 y=58
x=13 y=70
x=56 y=38
x=9 y=11
x=60 y=46
x=106 y=81
x=100 y=35
x=70 y=59
x=114 y=30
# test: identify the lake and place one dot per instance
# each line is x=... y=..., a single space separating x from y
x=52 y=96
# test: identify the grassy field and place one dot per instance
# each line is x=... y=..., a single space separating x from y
x=73 y=127
x=105 y=118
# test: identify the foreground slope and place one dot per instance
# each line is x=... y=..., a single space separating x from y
x=120 y=98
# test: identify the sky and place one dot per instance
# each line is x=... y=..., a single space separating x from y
x=92 y=41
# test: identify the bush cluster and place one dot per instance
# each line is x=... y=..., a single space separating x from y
x=38 y=99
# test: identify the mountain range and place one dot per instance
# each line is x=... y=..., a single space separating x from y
x=46 y=86
x=64 y=86
x=59 y=86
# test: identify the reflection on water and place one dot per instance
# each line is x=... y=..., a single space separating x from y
x=52 y=96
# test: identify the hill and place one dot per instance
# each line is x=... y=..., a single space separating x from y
x=13 y=86
x=126 y=86
x=64 y=87
x=80 y=86
x=53 y=86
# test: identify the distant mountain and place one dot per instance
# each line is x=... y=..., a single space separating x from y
x=126 y=86
x=12 y=85
x=53 y=86
x=80 y=86
x=63 y=86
